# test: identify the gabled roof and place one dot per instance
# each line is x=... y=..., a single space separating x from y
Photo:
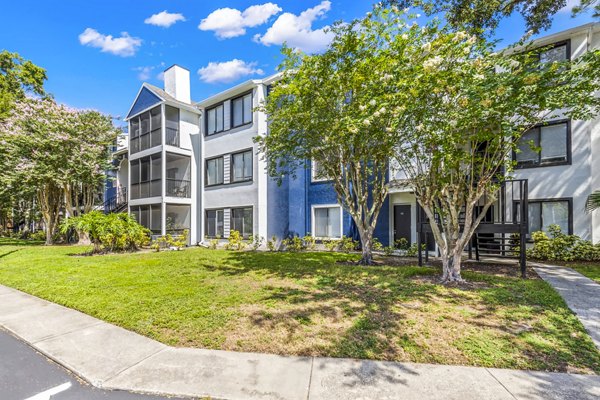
x=150 y=95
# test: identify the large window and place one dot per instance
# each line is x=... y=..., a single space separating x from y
x=214 y=120
x=214 y=223
x=214 y=171
x=178 y=168
x=146 y=177
x=558 y=52
x=545 y=145
x=327 y=222
x=172 y=136
x=241 y=110
x=543 y=213
x=178 y=218
x=241 y=166
x=149 y=216
x=241 y=221
x=146 y=130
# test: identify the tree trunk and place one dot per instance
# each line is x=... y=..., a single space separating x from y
x=49 y=233
x=451 y=264
x=366 y=243
x=84 y=238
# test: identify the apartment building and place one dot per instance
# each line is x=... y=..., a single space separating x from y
x=196 y=166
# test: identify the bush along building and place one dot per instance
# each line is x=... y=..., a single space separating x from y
x=195 y=166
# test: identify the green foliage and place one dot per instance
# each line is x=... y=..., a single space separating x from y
x=593 y=201
x=347 y=244
x=483 y=16
x=256 y=241
x=111 y=232
x=331 y=244
x=377 y=246
x=293 y=244
x=235 y=241
x=272 y=244
x=18 y=77
x=559 y=246
x=413 y=250
x=309 y=242
x=214 y=243
x=388 y=250
x=402 y=244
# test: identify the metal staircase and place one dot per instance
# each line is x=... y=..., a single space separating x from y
x=116 y=203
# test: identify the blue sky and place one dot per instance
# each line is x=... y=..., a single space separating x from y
x=98 y=52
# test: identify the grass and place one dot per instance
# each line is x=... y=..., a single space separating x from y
x=311 y=304
x=591 y=270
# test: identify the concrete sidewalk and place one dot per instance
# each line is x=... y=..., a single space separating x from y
x=581 y=294
x=113 y=358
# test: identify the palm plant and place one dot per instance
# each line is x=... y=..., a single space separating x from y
x=593 y=201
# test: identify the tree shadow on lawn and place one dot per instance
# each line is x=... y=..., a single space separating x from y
x=370 y=306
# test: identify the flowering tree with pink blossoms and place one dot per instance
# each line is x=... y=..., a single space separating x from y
x=59 y=153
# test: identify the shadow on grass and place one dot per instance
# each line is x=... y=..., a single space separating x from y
x=20 y=242
x=8 y=253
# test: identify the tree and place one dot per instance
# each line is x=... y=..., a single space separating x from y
x=58 y=153
x=461 y=109
x=324 y=109
x=479 y=16
x=17 y=78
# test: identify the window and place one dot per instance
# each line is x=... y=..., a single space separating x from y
x=543 y=213
x=545 y=145
x=214 y=120
x=172 y=126
x=146 y=177
x=214 y=171
x=317 y=174
x=178 y=218
x=149 y=216
x=327 y=222
x=214 y=223
x=146 y=130
x=241 y=166
x=178 y=174
x=241 y=110
x=558 y=52
x=241 y=221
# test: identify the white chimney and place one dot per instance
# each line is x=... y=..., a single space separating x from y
x=177 y=83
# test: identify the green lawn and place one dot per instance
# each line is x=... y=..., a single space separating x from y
x=591 y=270
x=309 y=304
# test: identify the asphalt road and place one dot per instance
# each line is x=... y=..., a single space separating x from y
x=26 y=374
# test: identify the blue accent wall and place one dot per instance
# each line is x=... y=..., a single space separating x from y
x=278 y=208
x=297 y=203
x=145 y=99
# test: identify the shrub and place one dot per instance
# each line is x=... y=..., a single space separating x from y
x=272 y=244
x=309 y=242
x=235 y=241
x=331 y=244
x=559 y=246
x=111 y=232
x=214 y=243
x=347 y=244
x=256 y=241
x=377 y=246
x=38 y=235
x=293 y=244
x=413 y=250
x=402 y=244
x=388 y=250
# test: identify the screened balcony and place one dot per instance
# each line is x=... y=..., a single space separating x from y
x=146 y=177
x=178 y=218
x=146 y=130
x=178 y=175
x=172 y=126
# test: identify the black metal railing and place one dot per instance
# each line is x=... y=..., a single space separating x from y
x=172 y=137
x=116 y=203
x=179 y=188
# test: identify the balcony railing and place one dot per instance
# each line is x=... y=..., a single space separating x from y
x=172 y=137
x=178 y=188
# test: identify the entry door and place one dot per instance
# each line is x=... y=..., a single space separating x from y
x=402 y=222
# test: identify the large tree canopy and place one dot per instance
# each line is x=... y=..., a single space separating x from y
x=17 y=78
x=58 y=153
x=481 y=16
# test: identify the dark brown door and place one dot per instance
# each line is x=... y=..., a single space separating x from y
x=402 y=220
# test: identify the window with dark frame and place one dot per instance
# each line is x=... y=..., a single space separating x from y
x=557 y=52
x=241 y=110
x=214 y=119
x=146 y=130
x=214 y=223
x=241 y=166
x=146 y=177
x=543 y=213
x=241 y=221
x=214 y=171
x=544 y=145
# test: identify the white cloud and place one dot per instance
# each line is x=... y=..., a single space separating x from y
x=230 y=22
x=569 y=6
x=144 y=73
x=228 y=71
x=297 y=32
x=164 y=19
x=123 y=46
